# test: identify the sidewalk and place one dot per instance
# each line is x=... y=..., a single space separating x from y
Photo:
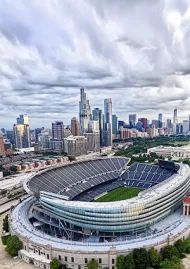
x=7 y=262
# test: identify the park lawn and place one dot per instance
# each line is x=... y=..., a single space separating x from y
x=180 y=143
x=122 y=193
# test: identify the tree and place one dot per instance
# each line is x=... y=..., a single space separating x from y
x=120 y=262
x=6 y=224
x=13 y=245
x=174 y=263
x=129 y=262
x=13 y=168
x=186 y=245
x=54 y=264
x=180 y=247
x=154 y=258
x=140 y=256
x=169 y=251
x=93 y=264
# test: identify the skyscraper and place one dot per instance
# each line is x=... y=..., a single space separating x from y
x=2 y=148
x=155 y=122
x=108 y=122
x=37 y=132
x=175 y=116
x=57 y=141
x=144 y=123
x=84 y=110
x=75 y=127
x=21 y=135
x=58 y=130
x=115 y=125
x=168 y=124
x=132 y=119
x=185 y=126
x=93 y=141
x=23 y=119
x=97 y=115
x=160 y=120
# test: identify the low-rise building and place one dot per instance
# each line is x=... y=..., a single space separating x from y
x=174 y=152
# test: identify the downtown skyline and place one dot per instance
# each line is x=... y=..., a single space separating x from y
x=134 y=53
x=67 y=122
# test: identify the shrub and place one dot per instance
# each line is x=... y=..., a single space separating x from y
x=13 y=245
x=4 y=239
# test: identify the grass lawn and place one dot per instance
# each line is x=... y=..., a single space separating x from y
x=122 y=193
x=180 y=143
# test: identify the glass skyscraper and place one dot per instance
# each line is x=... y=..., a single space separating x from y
x=84 y=110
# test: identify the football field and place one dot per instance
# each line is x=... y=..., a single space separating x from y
x=122 y=193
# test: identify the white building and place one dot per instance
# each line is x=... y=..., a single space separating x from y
x=174 y=152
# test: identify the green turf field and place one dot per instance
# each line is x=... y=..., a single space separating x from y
x=122 y=193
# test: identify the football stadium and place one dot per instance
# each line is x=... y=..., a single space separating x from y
x=100 y=209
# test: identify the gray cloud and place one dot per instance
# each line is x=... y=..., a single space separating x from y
x=136 y=52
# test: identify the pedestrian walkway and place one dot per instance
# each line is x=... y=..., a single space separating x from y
x=7 y=262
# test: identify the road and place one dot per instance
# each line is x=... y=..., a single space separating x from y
x=8 y=205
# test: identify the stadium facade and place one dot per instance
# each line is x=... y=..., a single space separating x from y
x=60 y=220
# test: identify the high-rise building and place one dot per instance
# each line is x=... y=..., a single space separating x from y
x=155 y=122
x=144 y=123
x=185 y=126
x=3 y=130
x=125 y=133
x=84 y=110
x=22 y=135
x=132 y=120
x=37 y=131
x=44 y=138
x=57 y=141
x=93 y=141
x=75 y=127
x=8 y=147
x=23 y=119
x=58 y=130
x=2 y=149
x=139 y=126
x=160 y=120
x=168 y=123
x=97 y=115
x=153 y=131
x=175 y=116
x=75 y=145
x=93 y=126
x=115 y=125
x=108 y=122
x=10 y=136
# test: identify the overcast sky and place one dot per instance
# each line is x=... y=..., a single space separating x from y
x=136 y=52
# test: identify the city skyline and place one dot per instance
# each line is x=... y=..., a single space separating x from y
x=141 y=62
x=126 y=119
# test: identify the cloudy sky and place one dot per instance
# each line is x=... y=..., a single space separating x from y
x=136 y=52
